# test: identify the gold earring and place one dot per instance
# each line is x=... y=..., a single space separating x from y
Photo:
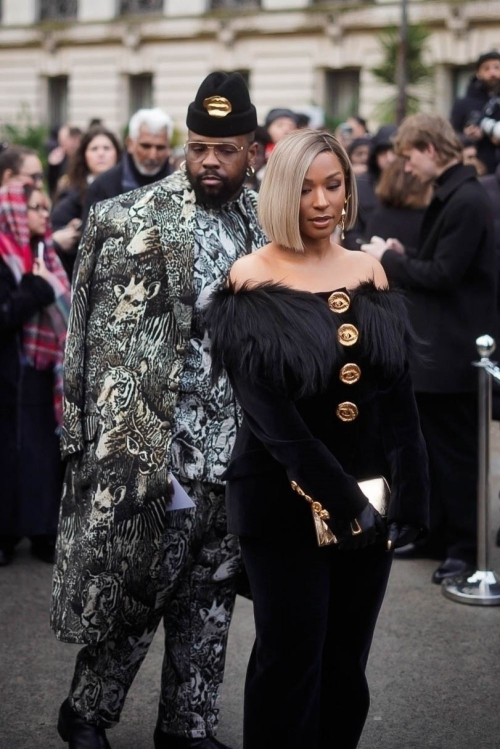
x=182 y=166
x=342 y=221
x=250 y=171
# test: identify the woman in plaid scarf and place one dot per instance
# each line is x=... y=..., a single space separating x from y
x=34 y=307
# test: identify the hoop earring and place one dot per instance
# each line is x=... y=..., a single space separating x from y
x=250 y=171
x=182 y=166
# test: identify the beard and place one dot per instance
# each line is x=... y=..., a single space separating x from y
x=215 y=196
x=148 y=168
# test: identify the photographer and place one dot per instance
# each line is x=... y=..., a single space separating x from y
x=469 y=113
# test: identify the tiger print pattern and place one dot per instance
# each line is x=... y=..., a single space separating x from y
x=201 y=565
x=129 y=331
x=123 y=560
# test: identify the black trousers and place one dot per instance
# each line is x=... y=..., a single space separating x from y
x=449 y=424
x=315 y=614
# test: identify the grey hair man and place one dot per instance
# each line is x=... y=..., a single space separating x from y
x=146 y=160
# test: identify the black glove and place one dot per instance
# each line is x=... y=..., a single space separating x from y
x=366 y=527
x=400 y=535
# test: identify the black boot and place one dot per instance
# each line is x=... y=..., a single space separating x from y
x=169 y=741
x=77 y=733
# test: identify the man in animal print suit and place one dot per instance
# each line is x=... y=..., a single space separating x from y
x=139 y=404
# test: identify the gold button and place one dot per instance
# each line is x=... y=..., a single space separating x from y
x=347 y=411
x=349 y=374
x=339 y=302
x=348 y=334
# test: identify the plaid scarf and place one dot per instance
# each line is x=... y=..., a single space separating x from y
x=43 y=336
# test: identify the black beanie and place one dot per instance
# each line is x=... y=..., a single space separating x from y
x=492 y=55
x=222 y=107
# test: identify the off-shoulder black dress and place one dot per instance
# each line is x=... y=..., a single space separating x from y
x=327 y=400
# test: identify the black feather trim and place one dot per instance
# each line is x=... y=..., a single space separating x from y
x=387 y=338
x=289 y=338
x=275 y=333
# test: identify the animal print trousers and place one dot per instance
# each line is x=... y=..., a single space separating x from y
x=202 y=563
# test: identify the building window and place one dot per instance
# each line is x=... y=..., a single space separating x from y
x=140 y=92
x=341 y=93
x=58 y=100
x=141 y=6
x=53 y=10
x=234 y=4
x=460 y=80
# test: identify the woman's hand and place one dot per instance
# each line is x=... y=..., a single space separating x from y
x=362 y=531
x=68 y=237
x=40 y=269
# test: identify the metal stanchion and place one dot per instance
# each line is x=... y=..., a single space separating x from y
x=481 y=588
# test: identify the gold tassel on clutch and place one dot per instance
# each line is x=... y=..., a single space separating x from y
x=324 y=535
x=377 y=492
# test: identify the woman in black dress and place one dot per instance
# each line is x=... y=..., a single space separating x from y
x=316 y=348
x=34 y=308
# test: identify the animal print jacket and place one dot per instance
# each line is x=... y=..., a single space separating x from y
x=129 y=328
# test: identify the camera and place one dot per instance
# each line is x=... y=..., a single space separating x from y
x=492 y=108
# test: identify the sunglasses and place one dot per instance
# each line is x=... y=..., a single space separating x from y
x=196 y=151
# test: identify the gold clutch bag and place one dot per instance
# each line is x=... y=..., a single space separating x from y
x=375 y=490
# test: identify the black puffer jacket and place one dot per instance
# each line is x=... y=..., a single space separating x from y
x=467 y=111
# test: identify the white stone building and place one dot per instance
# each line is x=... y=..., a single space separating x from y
x=74 y=60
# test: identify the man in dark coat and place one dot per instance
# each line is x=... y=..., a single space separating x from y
x=468 y=112
x=142 y=416
x=450 y=280
x=146 y=160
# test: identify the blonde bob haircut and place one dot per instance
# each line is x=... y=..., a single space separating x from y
x=281 y=189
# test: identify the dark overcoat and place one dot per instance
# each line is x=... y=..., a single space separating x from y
x=450 y=282
x=18 y=304
x=127 y=341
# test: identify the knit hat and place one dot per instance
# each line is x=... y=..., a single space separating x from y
x=222 y=107
x=492 y=55
x=275 y=114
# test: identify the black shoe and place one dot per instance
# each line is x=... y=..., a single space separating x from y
x=77 y=733
x=6 y=557
x=417 y=551
x=169 y=741
x=44 y=549
x=451 y=568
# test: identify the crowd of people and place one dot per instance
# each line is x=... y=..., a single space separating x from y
x=242 y=354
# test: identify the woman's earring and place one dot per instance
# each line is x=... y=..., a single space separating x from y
x=182 y=166
x=250 y=171
x=342 y=222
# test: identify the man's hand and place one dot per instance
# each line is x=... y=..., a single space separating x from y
x=395 y=244
x=473 y=132
x=376 y=247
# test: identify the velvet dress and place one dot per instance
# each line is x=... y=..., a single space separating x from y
x=323 y=383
